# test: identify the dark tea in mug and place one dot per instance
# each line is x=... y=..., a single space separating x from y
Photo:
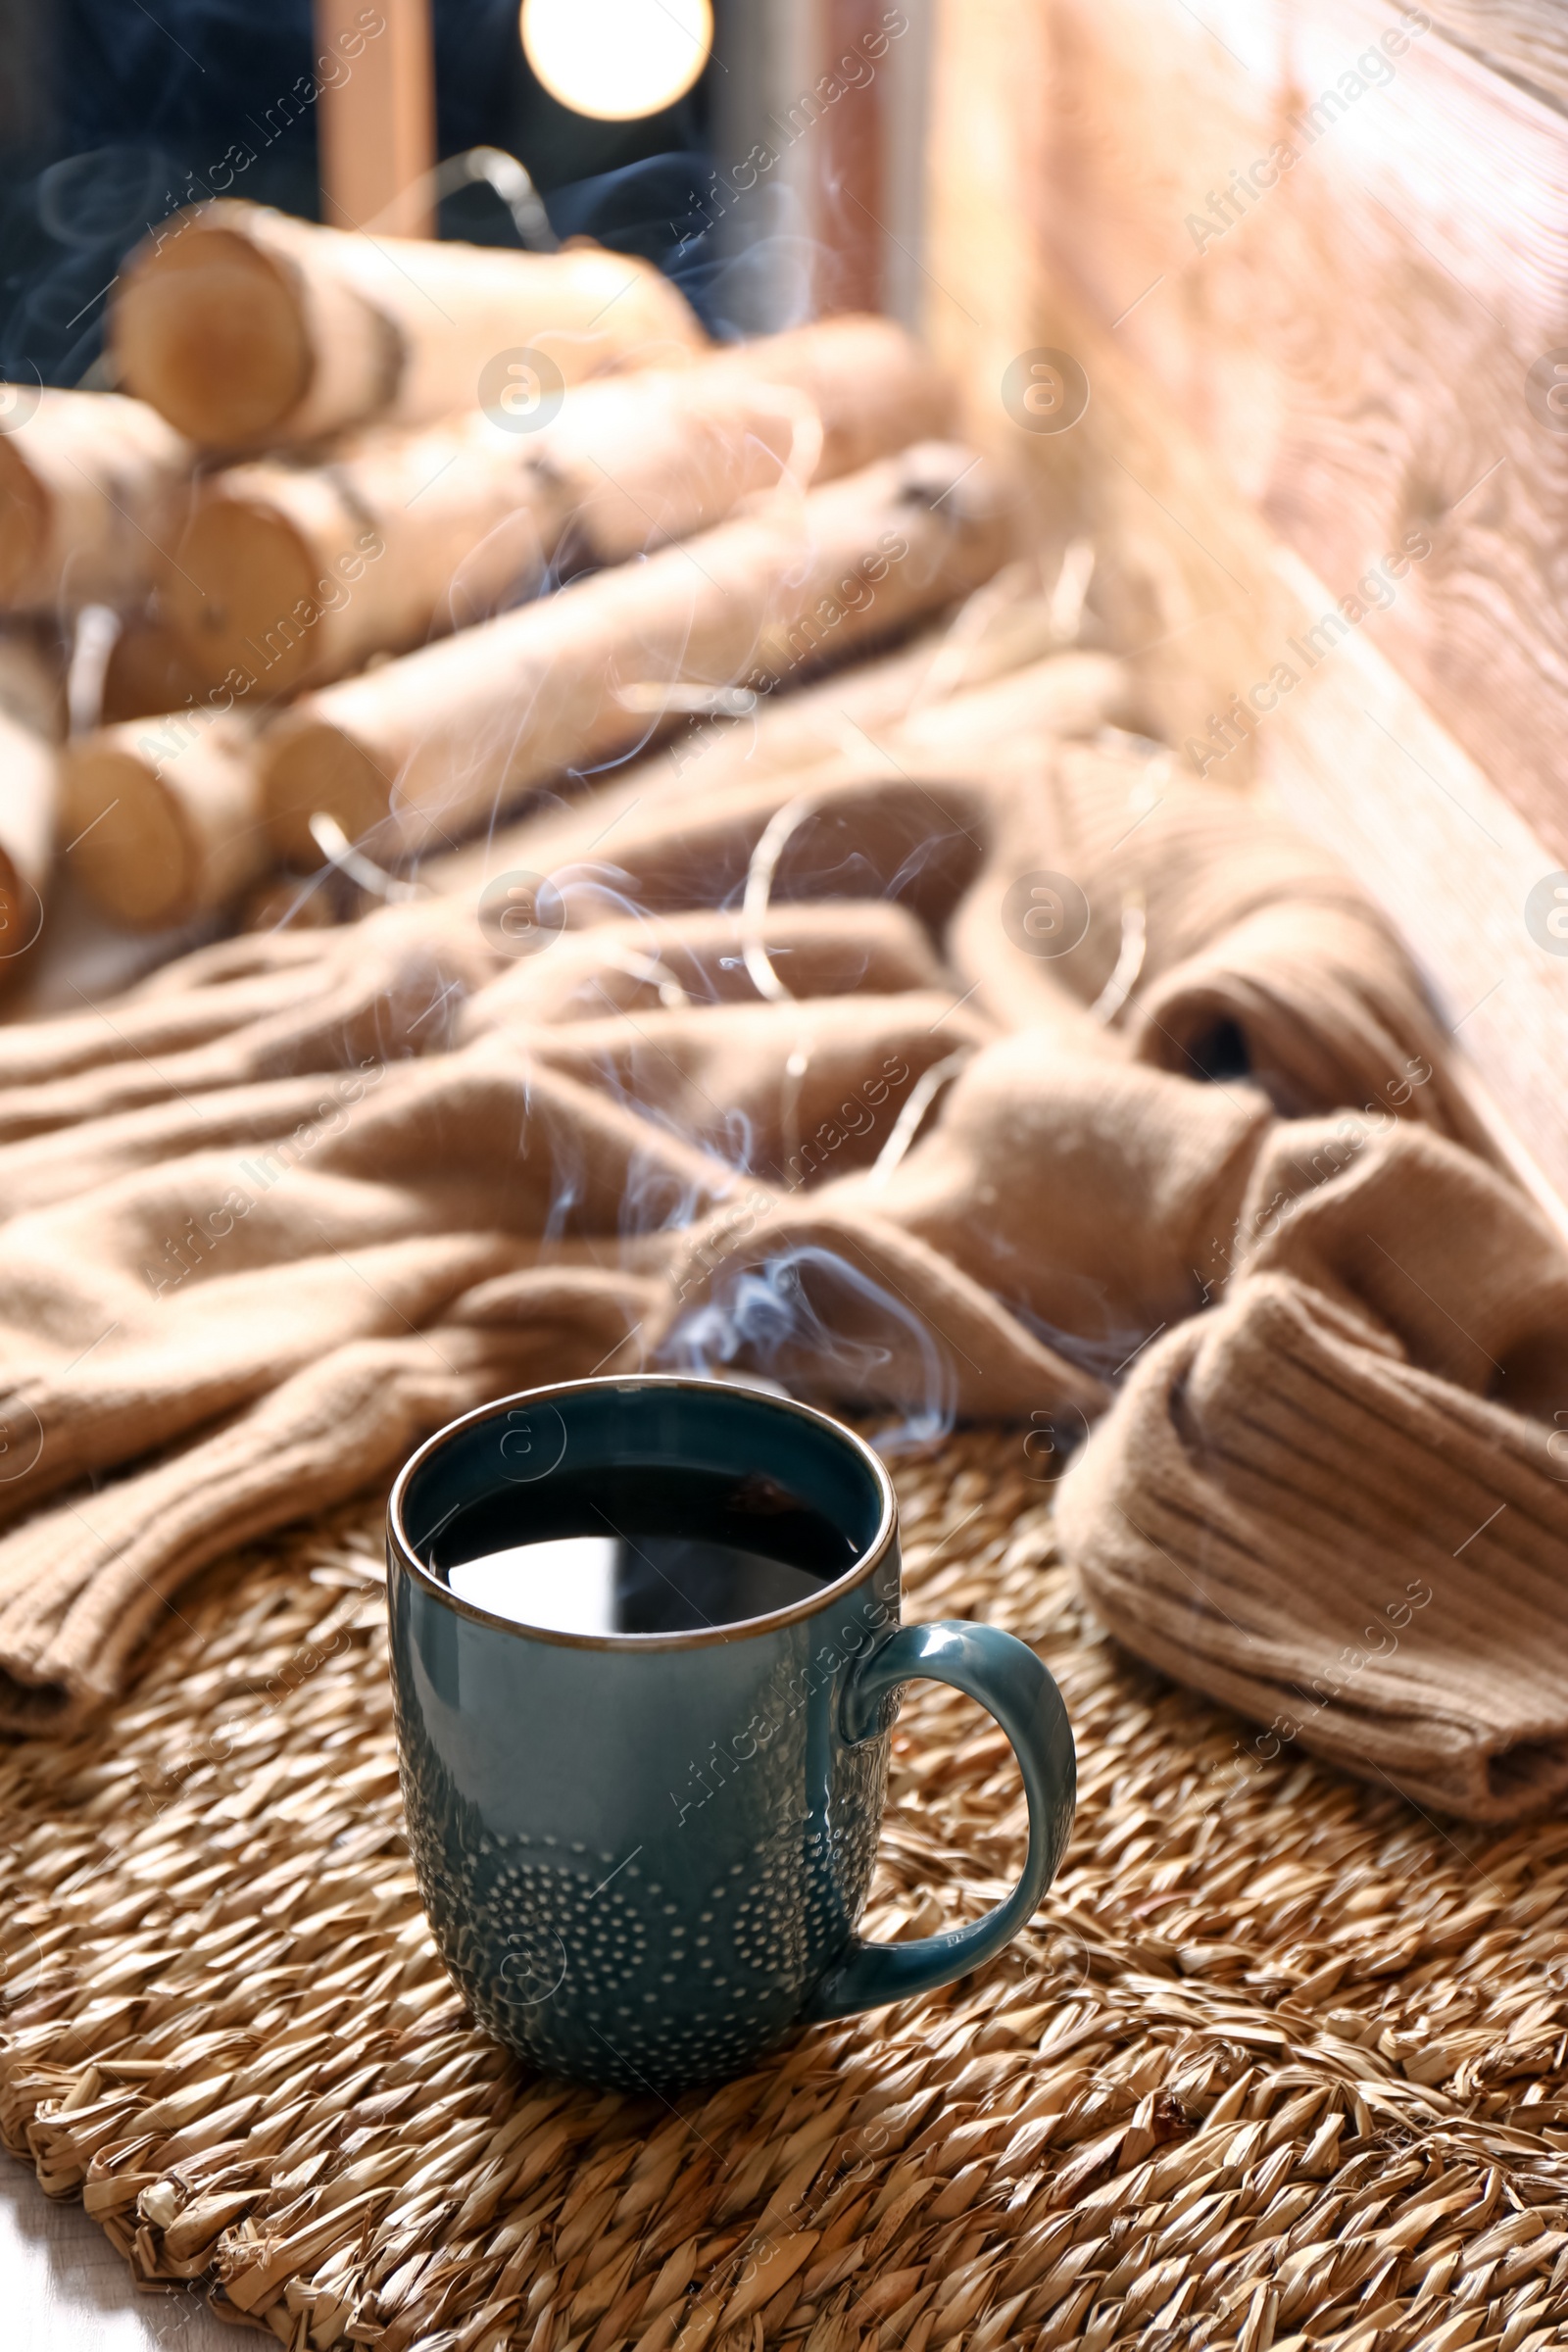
x=645 y=1547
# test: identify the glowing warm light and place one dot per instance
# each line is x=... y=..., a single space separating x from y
x=617 y=60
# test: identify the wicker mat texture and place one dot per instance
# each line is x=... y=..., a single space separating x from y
x=1281 y=2060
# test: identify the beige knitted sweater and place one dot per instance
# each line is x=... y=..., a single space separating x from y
x=953 y=1066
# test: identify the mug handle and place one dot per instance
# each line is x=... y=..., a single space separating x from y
x=1012 y=1685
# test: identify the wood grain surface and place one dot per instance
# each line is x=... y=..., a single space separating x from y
x=1200 y=467
x=1527 y=39
x=65 y=2290
x=1360 y=760
x=1337 y=241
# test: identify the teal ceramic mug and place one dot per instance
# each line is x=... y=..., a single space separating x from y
x=644 y=1768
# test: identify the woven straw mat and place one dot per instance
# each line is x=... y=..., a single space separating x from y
x=1279 y=2060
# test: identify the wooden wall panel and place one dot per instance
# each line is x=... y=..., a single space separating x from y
x=1351 y=332
x=1360 y=762
x=1526 y=39
x=1267 y=419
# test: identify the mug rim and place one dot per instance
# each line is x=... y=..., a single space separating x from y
x=701 y=1637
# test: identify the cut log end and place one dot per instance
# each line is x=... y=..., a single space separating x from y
x=234 y=594
x=131 y=855
x=19 y=911
x=161 y=829
x=308 y=769
x=28 y=799
x=149 y=673
x=24 y=522
x=210 y=332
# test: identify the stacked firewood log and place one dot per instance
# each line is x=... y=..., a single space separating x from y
x=379 y=538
